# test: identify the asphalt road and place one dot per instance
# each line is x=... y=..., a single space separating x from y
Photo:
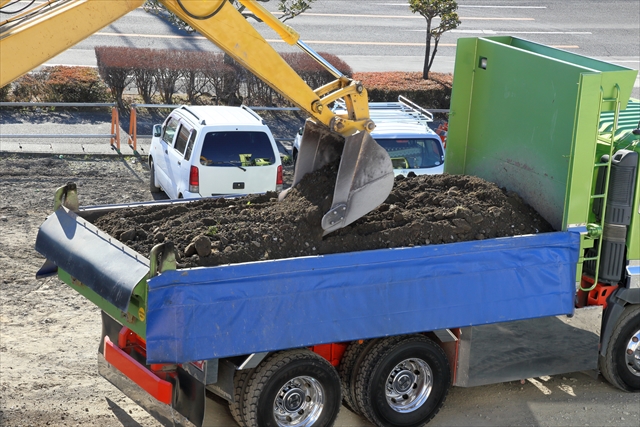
x=380 y=35
x=383 y=35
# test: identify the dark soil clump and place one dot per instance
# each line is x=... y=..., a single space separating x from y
x=421 y=210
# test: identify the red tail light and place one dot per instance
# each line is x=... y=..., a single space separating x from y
x=279 y=179
x=194 y=180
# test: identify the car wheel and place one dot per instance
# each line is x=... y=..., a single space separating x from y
x=294 y=388
x=153 y=186
x=621 y=363
x=403 y=382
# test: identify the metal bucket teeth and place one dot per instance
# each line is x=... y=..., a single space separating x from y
x=365 y=175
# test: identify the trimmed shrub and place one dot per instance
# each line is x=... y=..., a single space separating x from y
x=4 y=92
x=314 y=74
x=115 y=68
x=144 y=72
x=74 y=84
x=217 y=78
x=168 y=66
x=193 y=78
x=222 y=79
x=386 y=86
x=30 y=87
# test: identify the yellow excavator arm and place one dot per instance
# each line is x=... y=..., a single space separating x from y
x=365 y=175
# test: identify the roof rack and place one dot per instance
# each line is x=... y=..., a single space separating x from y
x=253 y=113
x=403 y=111
x=184 y=107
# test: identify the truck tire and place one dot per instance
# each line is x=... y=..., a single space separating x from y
x=153 y=187
x=292 y=388
x=621 y=363
x=403 y=382
x=347 y=368
x=240 y=379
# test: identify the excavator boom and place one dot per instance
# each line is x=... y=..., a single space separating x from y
x=365 y=175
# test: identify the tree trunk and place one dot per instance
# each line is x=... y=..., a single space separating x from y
x=425 y=69
x=433 y=54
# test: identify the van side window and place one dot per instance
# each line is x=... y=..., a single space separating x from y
x=192 y=140
x=181 y=140
x=169 y=131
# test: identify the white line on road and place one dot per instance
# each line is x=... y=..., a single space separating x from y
x=359 y=15
x=503 y=7
x=516 y=32
x=336 y=42
x=488 y=7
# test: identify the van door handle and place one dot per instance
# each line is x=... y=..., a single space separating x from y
x=179 y=163
x=166 y=151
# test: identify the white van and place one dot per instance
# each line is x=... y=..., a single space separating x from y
x=203 y=151
x=402 y=128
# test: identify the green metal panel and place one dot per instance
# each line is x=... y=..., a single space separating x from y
x=529 y=121
x=134 y=319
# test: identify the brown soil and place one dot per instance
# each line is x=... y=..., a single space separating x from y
x=420 y=210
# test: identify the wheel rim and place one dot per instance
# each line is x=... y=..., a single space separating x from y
x=299 y=402
x=632 y=353
x=409 y=385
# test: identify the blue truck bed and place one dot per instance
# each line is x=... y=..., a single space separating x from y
x=216 y=312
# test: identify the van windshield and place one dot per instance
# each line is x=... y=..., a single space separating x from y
x=237 y=149
x=413 y=153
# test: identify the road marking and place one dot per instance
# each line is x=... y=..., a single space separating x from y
x=504 y=7
x=515 y=32
x=487 y=7
x=540 y=386
x=353 y=15
x=336 y=42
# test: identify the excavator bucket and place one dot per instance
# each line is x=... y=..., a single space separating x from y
x=365 y=175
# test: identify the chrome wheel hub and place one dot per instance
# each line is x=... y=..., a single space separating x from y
x=632 y=356
x=299 y=402
x=408 y=385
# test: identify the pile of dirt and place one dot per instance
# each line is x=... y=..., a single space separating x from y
x=421 y=210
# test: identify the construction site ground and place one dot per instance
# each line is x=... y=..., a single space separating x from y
x=49 y=334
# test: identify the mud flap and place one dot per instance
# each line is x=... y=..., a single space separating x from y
x=365 y=176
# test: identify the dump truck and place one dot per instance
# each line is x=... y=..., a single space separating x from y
x=388 y=331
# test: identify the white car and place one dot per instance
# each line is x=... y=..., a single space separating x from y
x=402 y=128
x=202 y=151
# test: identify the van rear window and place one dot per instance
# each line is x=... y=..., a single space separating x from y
x=413 y=153
x=237 y=149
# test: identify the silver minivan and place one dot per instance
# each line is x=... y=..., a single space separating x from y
x=202 y=151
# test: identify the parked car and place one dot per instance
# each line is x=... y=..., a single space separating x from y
x=202 y=151
x=402 y=128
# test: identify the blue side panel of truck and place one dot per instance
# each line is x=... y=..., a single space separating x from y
x=214 y=312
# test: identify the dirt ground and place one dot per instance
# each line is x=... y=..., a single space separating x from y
x=49 y=334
